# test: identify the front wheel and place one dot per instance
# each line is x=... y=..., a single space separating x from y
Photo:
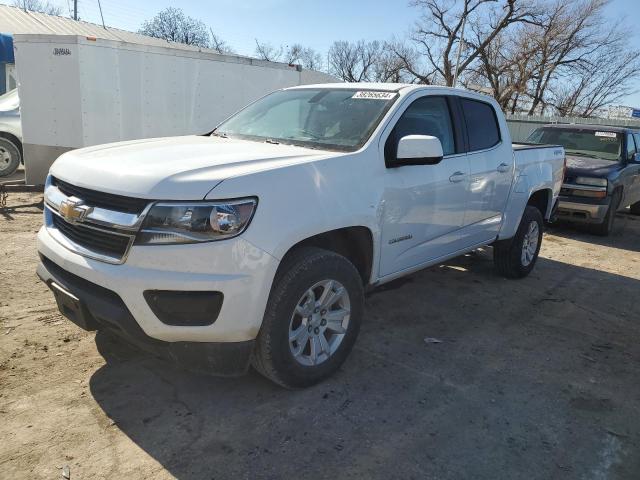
x=516 y=257
x=312 y=318
x=9 y=157
x=606 y=227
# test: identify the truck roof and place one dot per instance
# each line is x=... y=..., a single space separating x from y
x=391 y=87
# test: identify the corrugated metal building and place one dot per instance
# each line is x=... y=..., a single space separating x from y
x=14 y=20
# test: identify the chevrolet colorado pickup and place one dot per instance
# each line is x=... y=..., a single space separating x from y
x=602 y=175
x=254 y=244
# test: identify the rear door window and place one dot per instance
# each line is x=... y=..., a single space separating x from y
x=482 y=124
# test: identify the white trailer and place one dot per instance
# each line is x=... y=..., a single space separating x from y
x=78 y=91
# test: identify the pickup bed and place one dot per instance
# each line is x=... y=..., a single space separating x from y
x=255 y=243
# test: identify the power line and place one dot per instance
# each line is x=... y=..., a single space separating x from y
x=101 y=17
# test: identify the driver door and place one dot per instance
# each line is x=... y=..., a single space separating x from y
x=424 y=205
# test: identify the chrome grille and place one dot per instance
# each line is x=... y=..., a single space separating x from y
x=97 y=240
x=101 y=199
x=107 y=227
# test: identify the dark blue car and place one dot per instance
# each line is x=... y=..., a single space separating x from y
x=603 y=172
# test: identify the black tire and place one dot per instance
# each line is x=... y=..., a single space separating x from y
x=273 y=356
x=606 y=227
x=507 y=254
x=10 y=157
x=635 y=209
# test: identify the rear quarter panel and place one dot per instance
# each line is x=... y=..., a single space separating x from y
x=536 y=168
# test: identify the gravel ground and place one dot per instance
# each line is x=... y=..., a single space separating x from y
x=533 y=379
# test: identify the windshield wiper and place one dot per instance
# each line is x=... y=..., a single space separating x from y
x=272 y=141
x=221 y=135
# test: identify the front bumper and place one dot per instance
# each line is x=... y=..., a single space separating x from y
x=93 y=307
x=582 y=210
x=242 y=272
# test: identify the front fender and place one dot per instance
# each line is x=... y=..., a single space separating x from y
x=304 y=200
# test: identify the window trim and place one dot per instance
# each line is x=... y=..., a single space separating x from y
x=466 y=127
x=635 y=147
x=636 y=138
x=456 y=131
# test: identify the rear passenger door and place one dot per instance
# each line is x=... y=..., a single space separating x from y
x=491 y=170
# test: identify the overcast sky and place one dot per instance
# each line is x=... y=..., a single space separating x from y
x=314 y=23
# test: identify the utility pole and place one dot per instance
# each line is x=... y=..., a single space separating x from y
x=455 y=73
x=75 y=9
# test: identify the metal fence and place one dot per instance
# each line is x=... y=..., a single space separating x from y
x=521 y=126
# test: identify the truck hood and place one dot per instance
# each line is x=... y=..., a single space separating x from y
x=174 y=168
x=593 y=167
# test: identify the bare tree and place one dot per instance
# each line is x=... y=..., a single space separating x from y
x=590 y=86
x=218 y=44
x=38 y=6
x=311 y=59
x=173 y=25
x=295 y=54
x=354 y=62
x=505 y=66
x=266 y=51
x=438 y=32
x=573 y=34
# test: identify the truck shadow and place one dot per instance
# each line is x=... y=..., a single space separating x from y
x=625 y=235
x=543 y=366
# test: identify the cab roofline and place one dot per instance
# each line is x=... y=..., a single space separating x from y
x=388 y=87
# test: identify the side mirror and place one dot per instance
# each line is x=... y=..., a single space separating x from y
x=419 y=150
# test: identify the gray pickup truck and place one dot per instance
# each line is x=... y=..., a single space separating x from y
x=602 y=175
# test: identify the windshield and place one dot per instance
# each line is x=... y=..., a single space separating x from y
x=581 y=142
x=10 y=100
x=334 y=119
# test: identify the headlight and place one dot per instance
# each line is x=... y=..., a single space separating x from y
x=193 y=222
x=592 y=182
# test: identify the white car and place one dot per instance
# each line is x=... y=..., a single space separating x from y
x=10 y=133
x=255 y=243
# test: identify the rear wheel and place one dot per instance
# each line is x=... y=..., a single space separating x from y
x=516 y=257
x=9 y=157
x=312 y=318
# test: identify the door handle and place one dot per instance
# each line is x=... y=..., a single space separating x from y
x=457 y=177
x=504 y=167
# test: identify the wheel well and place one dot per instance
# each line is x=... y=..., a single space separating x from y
x=540 y=200
x=619 y=190
x=13 y=139
x=354 y=243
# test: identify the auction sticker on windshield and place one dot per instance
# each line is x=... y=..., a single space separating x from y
x=606 y=134
x=369 y=95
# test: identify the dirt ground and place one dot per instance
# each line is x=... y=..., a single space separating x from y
x=533 y=379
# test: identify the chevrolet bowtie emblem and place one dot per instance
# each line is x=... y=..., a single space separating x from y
x=73 y=210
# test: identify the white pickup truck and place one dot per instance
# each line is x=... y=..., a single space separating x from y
x=254 y=244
